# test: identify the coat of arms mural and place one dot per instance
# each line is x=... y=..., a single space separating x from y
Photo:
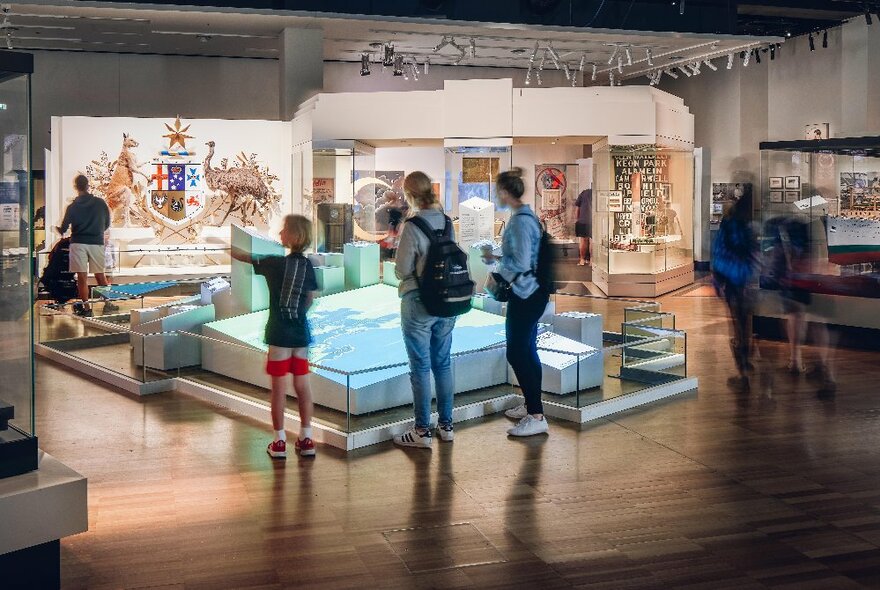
x=177 y=194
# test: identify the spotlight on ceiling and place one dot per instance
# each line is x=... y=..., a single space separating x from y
x=203 y=38
x=614 y=55
x=650 y=55
x=868 y=18
x=746 y=55
x=611 y=77
x=772 y=52
x=757 y=53
x=388 y=55
x=595 y=73
x=684 y=71
x=825 y=39
x=710 y=65
x=629 y=56
x=620 y=64
x=473 y=47
x=730 y=61
x=398 y=65
x=812 y=43
x=672 y=74
x=365 y=64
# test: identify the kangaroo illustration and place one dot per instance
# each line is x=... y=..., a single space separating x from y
x=119 y=190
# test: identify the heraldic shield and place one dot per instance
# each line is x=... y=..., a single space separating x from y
x=177 y=191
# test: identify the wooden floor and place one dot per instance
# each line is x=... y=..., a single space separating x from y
x=775 y=489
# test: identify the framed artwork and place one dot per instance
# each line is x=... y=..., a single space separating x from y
x=476 y=170
x=776 y=182
x=817 y=131
x=777 y=196
x=792 y=183
x=792 y=196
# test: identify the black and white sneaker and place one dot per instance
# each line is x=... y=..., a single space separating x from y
x=445 y=432
x=414 y=438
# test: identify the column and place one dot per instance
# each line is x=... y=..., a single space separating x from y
x=301 y=68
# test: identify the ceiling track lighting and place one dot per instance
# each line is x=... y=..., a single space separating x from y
x=554 y=56
x=415 y=70
x=595 y=72
x=473 y=48
x=757 y=53
x=583 y=62
x=812 y=43
x=426 y=65
x=710 y=65
x=611 y=77
x=650 y=57
x=567 y=72
x=531 y=64
x=671 y=74
x=620 y=64
x=681 y=8
x=614 y=55
x=684 y=71
x=365 y=64
x=398 y=65
x=825 y=39
x=730 y=61
x=629 y=56
x=868 y=18
x=772 y=52
x=695 y=68
x=388 y=55
x=746 y=58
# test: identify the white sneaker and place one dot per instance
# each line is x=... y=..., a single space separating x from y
x=445 y=432
x=412 y=438
x=529 y=426
x=517 y=413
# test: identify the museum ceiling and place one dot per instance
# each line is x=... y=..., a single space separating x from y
x=103 y=27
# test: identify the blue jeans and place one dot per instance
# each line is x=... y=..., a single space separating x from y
x=428 y=341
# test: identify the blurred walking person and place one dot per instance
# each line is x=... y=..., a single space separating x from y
x=734 y=260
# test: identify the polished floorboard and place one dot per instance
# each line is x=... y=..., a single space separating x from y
x=771 y=489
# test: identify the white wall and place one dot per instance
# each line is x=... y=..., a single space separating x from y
x=113 y=85
x=345 y=77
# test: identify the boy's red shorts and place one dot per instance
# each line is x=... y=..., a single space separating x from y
x=294 y=364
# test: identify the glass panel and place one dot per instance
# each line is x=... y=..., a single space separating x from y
x=471 y=172
x=16 y=292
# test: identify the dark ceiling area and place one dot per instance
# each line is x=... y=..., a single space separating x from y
x=743 y=17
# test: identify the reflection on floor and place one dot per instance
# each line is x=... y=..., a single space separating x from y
x=774 y=489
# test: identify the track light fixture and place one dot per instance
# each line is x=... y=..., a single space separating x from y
x=531 y=64
x=426 y=65
x=672 y=74
x=812 y=43
x=730 y=61
x=710 y=65
x=868 y=18
x=365 y=64
x=773 y=52
x=629 y=56
x=414 y=66
x=398 y=65
x=473 y=47
x=757 y=53
x=388 y=55
x=650 y=56
x=554 y=56
x=620 y=64
x=583 y=61
x=614 y=55
x=825 y=39
x=611 y=77
x=746 y=57
x=684 y=71
x=595 y=73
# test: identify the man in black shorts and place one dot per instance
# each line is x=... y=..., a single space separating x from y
x=583 y=227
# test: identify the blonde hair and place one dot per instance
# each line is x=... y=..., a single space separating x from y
x=299 y=229
x=418 y=190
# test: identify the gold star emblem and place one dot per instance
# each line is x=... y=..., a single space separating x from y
x=177 y=134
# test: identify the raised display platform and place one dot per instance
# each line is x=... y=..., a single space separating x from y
x=354 y=332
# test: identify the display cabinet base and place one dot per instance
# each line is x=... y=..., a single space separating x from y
x=35 y=567
x=18 y=453
x=643 y=285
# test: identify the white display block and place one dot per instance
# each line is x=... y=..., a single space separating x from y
x=361 y=264
x=576 y=367
x=579 y=326
x=389 y=276
x=156 y=344
x=476 y=221
x=330 y=279
x=249 y=290
x=549 y=312
x=485 y=302
x=479 y=270
x=317 y=259
x=212 y=288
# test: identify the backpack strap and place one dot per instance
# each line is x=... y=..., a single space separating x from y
x=432 y=234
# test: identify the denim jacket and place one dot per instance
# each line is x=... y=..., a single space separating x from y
x=519 y=251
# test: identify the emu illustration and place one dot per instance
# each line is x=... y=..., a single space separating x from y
x=119 y=190
x=238 y=182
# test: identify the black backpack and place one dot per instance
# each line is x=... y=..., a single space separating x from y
x=545 y=272
x=445 y=287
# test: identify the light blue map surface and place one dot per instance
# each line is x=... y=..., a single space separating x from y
x=360 y=329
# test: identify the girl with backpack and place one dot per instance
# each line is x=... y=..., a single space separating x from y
x=427 y=336
x=518 y=265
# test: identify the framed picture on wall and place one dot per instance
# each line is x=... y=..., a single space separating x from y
x=817 y=131
x=776 y=182
x=792 y=183
x=777 y=197
x=792 y=196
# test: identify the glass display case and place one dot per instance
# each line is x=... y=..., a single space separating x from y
x=471 y=173
x=831 y=189
x=18 y=445
x=643 y=219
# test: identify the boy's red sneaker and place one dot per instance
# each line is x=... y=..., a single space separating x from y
x=305 y=447
x=277 y=449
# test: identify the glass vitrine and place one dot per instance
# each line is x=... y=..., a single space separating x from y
x=18 y=449
x=643 y=219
